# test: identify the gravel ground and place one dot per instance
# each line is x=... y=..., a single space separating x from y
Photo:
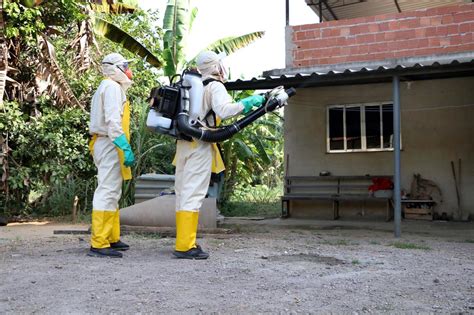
x=259 y=269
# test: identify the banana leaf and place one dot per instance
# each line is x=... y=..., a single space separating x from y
x=115 y=34
x=176 y=24
x=121 y=7
x=50 y=71
x=262 y=153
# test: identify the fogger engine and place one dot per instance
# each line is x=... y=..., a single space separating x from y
x=174 y=110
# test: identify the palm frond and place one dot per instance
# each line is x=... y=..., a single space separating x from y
x=231 y=44
x=115 y=34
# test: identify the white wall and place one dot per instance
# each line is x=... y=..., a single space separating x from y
x=437 y=128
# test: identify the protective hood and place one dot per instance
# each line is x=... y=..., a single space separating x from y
x=111 y=68
x=211 y=65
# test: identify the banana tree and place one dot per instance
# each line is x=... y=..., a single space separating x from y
x=28 y=26
x=95 y=25
x=177 y=24
x=254 y=154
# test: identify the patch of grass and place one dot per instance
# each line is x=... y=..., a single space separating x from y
x=374 y=243
x=469 y=241
x=403 y=245
x=251 y=209
x=355 y=262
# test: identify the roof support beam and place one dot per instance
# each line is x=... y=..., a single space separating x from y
x=321 y=11
x=328 y=7
x=397 y=216
x=398 y=6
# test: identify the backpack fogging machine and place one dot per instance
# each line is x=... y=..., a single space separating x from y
x=174 y=110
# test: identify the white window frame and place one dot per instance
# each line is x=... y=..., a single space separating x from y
x=362 y=128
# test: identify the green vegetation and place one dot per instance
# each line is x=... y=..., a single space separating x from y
x=355 y=262
x=403 y=245
x=247 y=200
x=53 y=68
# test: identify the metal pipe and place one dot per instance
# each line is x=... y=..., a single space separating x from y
x=396 y=152
x=287 y=12
x=226 y=132
x=320 y=11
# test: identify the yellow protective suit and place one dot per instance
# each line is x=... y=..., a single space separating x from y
x=110 y=118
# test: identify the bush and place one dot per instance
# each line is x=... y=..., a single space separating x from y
x=250 y=201
x=250 y=209
x=42 y=146
x=62 y=197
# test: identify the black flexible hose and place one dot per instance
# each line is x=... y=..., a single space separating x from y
x=226 y=132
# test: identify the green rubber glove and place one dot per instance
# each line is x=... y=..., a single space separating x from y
x=122 y=143
x=252 y=101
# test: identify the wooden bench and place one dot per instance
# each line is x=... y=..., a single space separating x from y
x=331 y=188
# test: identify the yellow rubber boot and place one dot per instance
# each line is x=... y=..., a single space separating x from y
x=115 y=242
x=115 y=235
x=101 y=230
x=186 y=230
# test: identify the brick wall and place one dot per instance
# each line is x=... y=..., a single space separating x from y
x=439 y=30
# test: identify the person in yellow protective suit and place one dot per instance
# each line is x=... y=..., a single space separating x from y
x=196 y=159
x=113 y=156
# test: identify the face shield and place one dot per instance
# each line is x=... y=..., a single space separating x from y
x=224 y=74
x=211 y=64
x=122 y=66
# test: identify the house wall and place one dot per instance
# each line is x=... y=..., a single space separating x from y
x=437 y=124
x=441 y=30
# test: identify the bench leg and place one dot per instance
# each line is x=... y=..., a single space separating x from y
x=389 y=210
x=335 y=209
x=285 y=208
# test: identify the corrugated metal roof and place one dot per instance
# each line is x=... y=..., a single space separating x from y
x=413 y=68
x=349 y=9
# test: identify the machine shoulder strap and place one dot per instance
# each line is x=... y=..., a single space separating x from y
x=207 y=81
x=210 y=112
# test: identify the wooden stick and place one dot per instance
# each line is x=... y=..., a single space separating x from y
x=457 y=189
x=74 y=209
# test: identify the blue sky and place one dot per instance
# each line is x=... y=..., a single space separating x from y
x=220 y=18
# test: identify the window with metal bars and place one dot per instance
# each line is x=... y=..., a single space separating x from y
x=360 y=127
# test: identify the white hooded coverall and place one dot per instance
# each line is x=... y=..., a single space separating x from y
x=194 y=163
x=109 y=118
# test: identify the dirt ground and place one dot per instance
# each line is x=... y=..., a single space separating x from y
x=270 y=266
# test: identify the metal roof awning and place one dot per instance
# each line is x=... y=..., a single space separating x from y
x=413 y=68
x=348 y=9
